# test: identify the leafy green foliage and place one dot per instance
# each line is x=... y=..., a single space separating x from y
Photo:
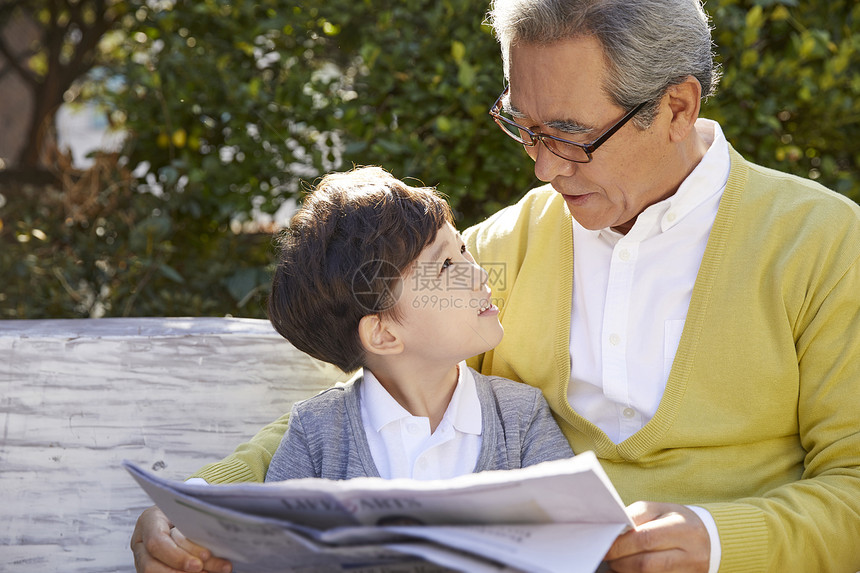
x=790 y=95
x=232 y=108
x=424 y=75
x=94 y=246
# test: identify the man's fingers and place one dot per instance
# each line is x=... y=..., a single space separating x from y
x=189 y=546
x=642 y=511
x=658 y=533
x=210 y=563
x=144 y=562
x=155 y=550
x=669 y=560
x=667 y=537
x=217 y=565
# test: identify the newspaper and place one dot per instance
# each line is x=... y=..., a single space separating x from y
x=559 y=516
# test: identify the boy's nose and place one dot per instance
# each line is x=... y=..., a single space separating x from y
x=479 y=276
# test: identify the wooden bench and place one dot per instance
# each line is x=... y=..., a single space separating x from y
x=79 y=396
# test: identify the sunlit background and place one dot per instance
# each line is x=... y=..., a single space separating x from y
x=148 y=150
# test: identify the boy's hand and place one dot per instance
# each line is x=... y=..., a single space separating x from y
x=159 y=547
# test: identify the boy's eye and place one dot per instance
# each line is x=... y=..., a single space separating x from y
x=462 y=249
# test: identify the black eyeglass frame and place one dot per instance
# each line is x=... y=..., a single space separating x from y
x=534 y=137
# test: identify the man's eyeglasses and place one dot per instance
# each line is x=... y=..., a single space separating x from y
x=570 y=150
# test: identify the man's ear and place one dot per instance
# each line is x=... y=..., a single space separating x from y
x=684 y=101
x=377 y=337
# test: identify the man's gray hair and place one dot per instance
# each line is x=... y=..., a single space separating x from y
x=649 y=44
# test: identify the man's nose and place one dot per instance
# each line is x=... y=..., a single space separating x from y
x=548 y=165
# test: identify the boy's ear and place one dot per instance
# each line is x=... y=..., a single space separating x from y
x=376 y=336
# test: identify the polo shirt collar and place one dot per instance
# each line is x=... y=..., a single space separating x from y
x=463 y=412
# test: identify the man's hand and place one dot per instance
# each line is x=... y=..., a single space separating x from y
x=159 y=547
x=668 y=537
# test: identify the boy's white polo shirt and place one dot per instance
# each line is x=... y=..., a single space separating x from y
x=401 y=444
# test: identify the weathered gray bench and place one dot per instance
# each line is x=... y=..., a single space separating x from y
x=79 y=396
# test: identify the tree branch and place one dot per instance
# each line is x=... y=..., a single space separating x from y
x=54 y=35
x=84 y=56
x=7 y=9
x=15 y=61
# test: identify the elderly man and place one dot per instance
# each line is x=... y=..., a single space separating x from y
x=691 y=317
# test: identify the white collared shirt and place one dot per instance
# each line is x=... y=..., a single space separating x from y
x=631 y=294
x=401 y=444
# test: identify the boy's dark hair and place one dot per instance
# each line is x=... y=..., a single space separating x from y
x=342 y=258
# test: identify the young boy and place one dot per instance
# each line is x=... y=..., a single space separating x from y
x=373 y=274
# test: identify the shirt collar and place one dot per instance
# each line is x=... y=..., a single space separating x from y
x=707 y=178
x=463 y=412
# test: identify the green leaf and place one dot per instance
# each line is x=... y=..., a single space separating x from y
x=170 y=273
x=458 y=51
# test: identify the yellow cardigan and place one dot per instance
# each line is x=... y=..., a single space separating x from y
x=759 y=422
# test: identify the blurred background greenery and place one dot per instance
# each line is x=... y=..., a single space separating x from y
x=229 y=108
